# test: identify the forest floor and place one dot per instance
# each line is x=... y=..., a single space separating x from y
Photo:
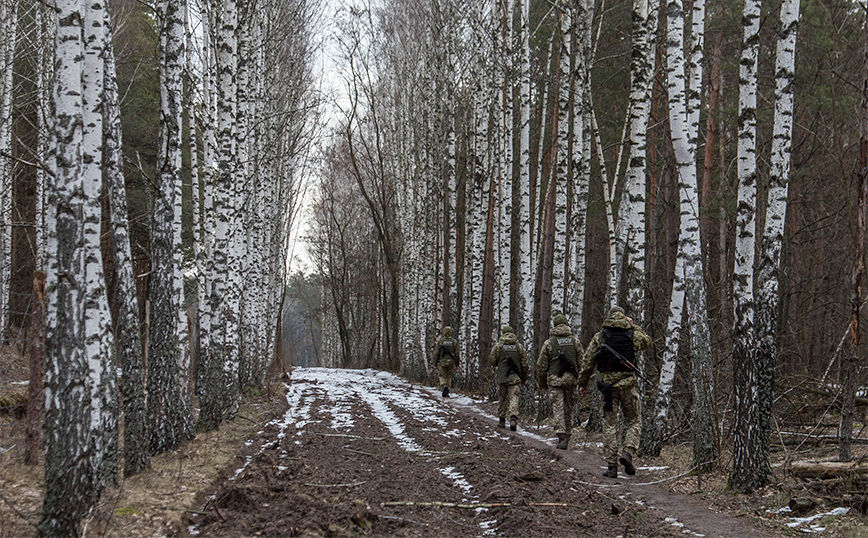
x=364 y=453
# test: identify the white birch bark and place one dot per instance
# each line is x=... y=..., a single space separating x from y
x=767 y=295
x=205 y=257
x=525 y=251
x=8 y=33
x=630 y=244
x=688 y=287
x=745 y=473
x=99 y=339
x=74 y=367
x=225 y=247
x=169 y=413
x=562 y=159
x=127 y=330
x=43 y=68
x=580 y=168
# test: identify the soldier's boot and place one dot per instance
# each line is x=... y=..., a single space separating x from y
x=562 y=441
x=626 y=460
x=501 y=422
x=612 y=472
x=445 y=392
x=513 y=422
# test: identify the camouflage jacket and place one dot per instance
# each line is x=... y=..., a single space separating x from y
x=440 y=353
x=618 y=380
x=546 y=379
x=503 y=373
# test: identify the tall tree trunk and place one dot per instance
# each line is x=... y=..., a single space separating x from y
x=579 y=167
x=560 y=177
x=747 y=471
x=688 y=289
x=168 y=414
x=218 y=390
x=768 y=297
x=8 y=35
x=525 y=252
x=77 y=351
x=127 y=332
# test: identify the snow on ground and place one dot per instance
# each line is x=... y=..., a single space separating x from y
x=336 y=391
x=381 y=392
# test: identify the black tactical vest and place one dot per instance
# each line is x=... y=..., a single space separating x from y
x=448 y=348
x=504 y=369
x=511 y=351
x=564 y=356
x=621 y=340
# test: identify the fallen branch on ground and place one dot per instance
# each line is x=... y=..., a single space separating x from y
x=473 y=506
x=827 y=469
x=350 y=436
x=336 y=485
x=820 y=438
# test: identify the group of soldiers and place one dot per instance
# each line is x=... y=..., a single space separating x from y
x=562 y=367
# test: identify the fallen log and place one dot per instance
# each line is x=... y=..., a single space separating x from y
x=472 y=506
x=827 y=469
x=803 y=505
x=795 y=438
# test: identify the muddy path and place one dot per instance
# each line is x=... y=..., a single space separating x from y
x=365 y=453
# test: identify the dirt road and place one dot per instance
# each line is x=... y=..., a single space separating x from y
x=365 y=453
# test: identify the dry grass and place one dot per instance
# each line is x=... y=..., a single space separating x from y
x=150 y=504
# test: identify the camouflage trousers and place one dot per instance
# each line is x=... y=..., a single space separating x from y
x=444 y=375
x=628 y=401
x=563 y=400
x=507 y=400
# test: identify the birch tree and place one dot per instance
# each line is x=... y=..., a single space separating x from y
x=688 y=288
x=630 y=246
x=768 y=268
x=168 y=414
x=8 y=35
x=127 y=334
x=218 y=389
x=525 y=252
x=79 y=418
x=747 y=465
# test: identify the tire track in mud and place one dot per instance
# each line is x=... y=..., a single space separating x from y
x=365 y=453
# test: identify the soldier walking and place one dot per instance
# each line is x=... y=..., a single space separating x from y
x=509 y=359
x=612 y=353
x=446 y=359
x=557 y=370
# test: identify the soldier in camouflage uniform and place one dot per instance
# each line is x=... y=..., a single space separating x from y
x=557 y=370
x=446 y=359
x=509 y=359
x=612 y=352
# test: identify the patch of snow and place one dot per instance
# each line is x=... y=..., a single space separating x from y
x=193 y=531
x=797 y=521
x=457 y=478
